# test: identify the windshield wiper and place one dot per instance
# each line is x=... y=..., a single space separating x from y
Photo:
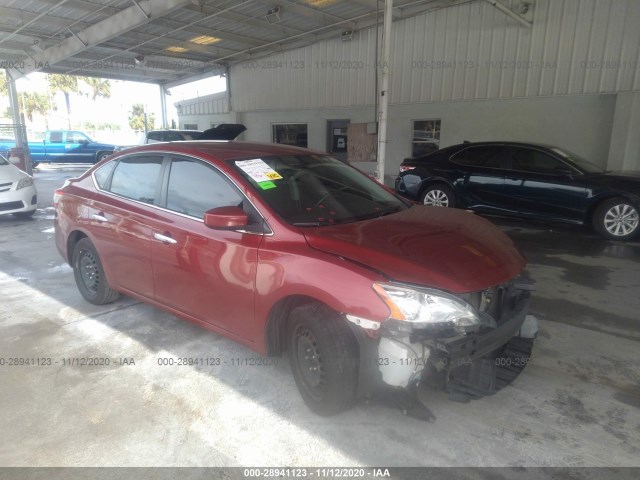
x=310 y=224
x=389 y=211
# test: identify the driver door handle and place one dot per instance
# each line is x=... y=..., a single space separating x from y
x=99 y=217
x=166 y=239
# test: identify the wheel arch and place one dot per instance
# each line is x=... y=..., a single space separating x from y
x=276 y=325
x=431 y=181
x=591 y=211
x=72 y=240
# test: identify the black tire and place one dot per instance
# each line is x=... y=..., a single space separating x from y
x=89 y=274
x=28 y=214
x=617 y=219
x=438 y=195
x=319 y=339
x=102 y=155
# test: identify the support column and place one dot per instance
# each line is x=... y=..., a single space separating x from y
x=384 y=89
x=624 y=149
x=163 y=105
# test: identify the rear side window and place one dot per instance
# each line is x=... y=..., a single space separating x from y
x=195 y=188
x=155 y=136
x=55 y=137
x=490 y=156
x=137 y=178
x=102 y=174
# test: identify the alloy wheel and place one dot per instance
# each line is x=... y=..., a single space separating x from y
x=621 y=220
x=436 y=198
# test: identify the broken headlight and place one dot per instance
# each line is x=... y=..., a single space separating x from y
x=427 y=309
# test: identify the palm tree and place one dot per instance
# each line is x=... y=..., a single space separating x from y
x=66 y=84
x=100 y=87
x=34 y=102
x=136 y=118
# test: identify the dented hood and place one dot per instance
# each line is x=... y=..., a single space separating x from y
x=444 y=248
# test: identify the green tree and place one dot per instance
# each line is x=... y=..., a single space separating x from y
x=67 y=84
x=4 y=90
x=99 y=86
x=136 y=118
x=35 y=102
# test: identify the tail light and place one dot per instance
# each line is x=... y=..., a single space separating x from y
x=405 y=168
x=57 y=194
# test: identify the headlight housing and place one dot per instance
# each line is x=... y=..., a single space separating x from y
x=427 y=309
x=24 y=182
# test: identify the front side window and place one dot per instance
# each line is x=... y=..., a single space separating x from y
x=314 y=190
x=528 y=160
x=195 y=188
x=137 y=178
x=426 y=137
x=76 y=137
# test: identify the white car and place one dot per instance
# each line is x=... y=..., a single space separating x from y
x=18 y=194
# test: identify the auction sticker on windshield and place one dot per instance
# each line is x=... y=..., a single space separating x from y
x=258 y=170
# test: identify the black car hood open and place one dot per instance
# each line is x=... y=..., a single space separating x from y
x=224 y=131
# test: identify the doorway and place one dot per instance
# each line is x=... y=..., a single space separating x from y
x=337 y=139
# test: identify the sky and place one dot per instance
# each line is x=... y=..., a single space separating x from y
x=116 y=109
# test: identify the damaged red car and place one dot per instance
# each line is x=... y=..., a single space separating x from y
x=288 y=250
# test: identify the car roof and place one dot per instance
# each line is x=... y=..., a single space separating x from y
x=223 y=149
x=511 y=143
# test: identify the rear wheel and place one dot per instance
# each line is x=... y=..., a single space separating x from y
x=89 y=274
x=102 y=155
x=324 y=358
x=617 y=219
x=438 y=196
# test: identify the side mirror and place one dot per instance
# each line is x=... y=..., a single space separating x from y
x=226 y=218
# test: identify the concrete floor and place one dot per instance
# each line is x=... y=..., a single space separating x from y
x=577 y=404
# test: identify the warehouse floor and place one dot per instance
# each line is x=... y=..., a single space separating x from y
x=576 y=404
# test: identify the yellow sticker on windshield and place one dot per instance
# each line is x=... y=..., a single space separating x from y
x=258 y=170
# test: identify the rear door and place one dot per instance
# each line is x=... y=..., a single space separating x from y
x=484 y=168
x=204 y=273
x=120 y=217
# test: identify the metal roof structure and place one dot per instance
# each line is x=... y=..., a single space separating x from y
x=170 y=42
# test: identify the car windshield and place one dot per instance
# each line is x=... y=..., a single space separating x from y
x=582 y=164
x=315 y=190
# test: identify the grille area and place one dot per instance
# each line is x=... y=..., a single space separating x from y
x=10 y=206
x=5 y=187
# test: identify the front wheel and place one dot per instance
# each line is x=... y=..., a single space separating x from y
x=89 y=274
x=324 y=358
x=438 y=196
x=28 y=214
x=617 y=219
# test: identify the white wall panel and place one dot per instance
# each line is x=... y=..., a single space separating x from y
x=467 y=52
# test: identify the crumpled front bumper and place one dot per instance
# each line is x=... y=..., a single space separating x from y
x=466 y=366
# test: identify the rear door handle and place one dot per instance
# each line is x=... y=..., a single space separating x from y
x=165 y=239
x=99 y=217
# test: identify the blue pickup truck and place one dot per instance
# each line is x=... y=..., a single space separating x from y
x=63 y=146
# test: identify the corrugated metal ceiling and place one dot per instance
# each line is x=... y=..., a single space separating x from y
x=32 y=29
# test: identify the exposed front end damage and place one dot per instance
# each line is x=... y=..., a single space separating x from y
x=468 y=359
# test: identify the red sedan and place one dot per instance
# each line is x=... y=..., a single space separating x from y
x=285 y=249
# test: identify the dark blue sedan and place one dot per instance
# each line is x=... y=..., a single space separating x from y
x=527 y=181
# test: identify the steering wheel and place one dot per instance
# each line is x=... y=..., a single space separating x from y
x=322 y=199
